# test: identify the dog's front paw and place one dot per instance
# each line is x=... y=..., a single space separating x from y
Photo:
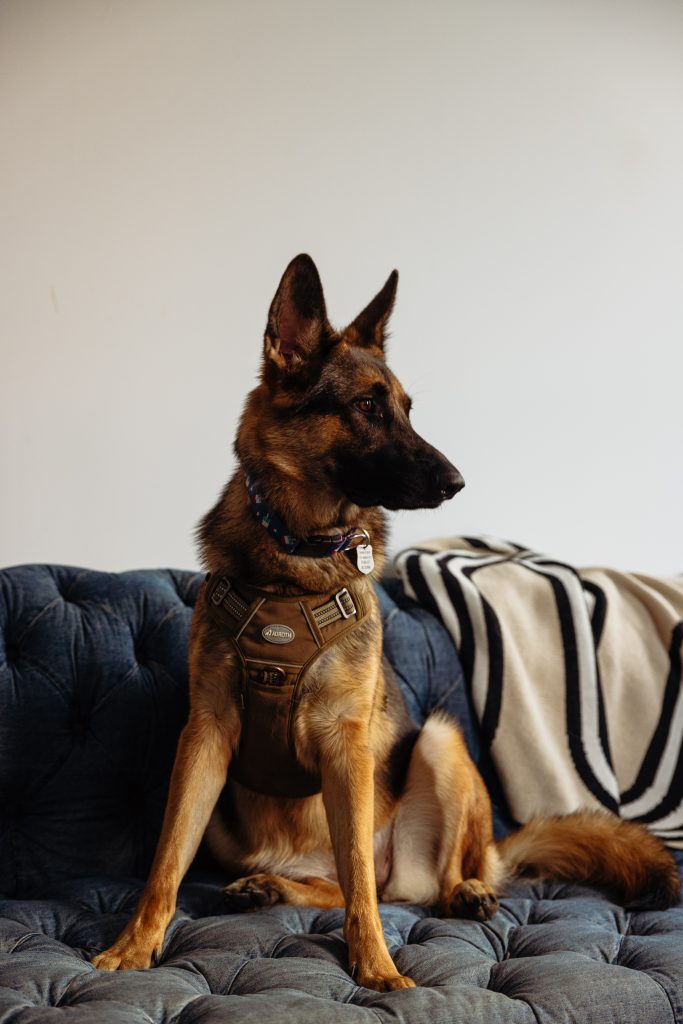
x=125 y=957
x=471 y=899
x=137 y=947
x=384 y=983
x=252 y=892
x=378 y=972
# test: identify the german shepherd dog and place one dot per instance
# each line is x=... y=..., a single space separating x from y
x=324 y=443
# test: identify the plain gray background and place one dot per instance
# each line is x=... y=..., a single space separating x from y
x=520 y=162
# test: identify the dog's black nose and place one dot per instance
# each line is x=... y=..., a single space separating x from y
x=448 y=482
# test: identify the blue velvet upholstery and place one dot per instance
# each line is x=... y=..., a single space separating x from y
x=92 y=697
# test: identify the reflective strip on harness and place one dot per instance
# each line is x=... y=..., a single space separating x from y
x=340 y=607
x=224 y=595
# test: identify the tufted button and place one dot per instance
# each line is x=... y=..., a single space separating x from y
x=12 y=651
x=63 y=589
x=79 y=726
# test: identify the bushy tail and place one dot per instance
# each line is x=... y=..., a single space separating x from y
x=599 y=849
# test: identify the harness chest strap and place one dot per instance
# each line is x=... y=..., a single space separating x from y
x=277 y=640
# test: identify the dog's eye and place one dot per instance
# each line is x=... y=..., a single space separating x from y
x=368 y=406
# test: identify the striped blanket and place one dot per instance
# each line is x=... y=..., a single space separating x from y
x=575 y=676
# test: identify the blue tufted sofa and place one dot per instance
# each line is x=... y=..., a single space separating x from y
x=92 y=698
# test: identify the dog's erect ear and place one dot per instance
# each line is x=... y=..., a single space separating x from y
x=369 y=327
x=297 y=320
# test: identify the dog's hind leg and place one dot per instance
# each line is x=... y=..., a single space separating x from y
x=471 y=876
x=443 y=852
x=263 y=890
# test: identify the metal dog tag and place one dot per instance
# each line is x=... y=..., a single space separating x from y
x=364 y=560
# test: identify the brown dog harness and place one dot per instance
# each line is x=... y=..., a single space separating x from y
x=277 y=640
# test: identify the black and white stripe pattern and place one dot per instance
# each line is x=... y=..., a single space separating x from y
x=582 y=617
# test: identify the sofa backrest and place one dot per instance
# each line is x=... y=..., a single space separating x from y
x=93 y=695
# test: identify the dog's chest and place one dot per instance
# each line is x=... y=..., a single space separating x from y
x=295 y=852
x=279 y=642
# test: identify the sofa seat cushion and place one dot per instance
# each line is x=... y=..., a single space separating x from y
x=553 y=953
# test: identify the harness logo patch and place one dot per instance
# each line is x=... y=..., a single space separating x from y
x=276 y=633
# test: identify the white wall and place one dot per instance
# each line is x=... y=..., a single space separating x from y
x=520 y=162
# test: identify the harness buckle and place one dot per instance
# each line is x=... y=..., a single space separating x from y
x=271 y=676
x=345 y=604
x=221 y=590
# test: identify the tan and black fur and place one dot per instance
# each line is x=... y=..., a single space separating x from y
x=402 y=816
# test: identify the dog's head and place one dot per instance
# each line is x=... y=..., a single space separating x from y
x=330 y=412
